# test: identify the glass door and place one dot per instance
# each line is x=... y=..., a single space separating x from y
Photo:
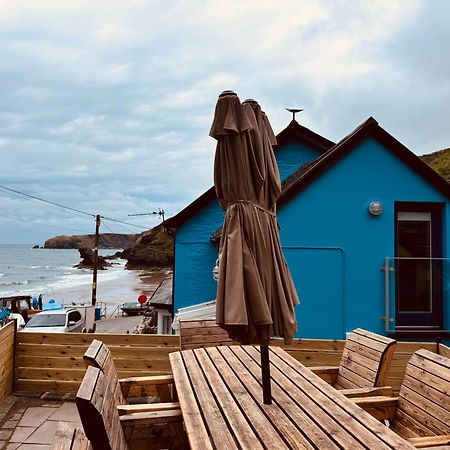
x=418 y=266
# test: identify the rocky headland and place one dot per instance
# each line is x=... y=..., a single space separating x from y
x=153 y=248
x=150 y=249
x=106 y=240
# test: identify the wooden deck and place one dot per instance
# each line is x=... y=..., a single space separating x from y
x=220 y=394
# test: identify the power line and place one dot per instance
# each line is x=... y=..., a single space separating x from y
x=47 y=201
x=125 y=223
x=40 y=224
x=68 y=207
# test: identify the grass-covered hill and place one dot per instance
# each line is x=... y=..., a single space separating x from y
x=440 y=162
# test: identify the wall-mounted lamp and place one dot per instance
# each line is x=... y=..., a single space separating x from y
x=215 y=271
x=375 y=208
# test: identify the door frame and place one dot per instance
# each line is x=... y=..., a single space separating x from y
x=436 y=211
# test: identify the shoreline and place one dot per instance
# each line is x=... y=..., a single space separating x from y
x=111 y=291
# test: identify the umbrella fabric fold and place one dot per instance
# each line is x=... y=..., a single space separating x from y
x=256 y=295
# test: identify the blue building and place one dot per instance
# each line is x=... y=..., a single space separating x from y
x=365 y=229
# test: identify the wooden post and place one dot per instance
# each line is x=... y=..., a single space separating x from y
x=265 y=371
x=94 y=276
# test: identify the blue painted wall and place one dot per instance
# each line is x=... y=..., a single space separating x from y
x=195 y=255
x=334 y=247
x=331 y=216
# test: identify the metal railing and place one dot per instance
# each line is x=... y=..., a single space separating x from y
x=416 y=287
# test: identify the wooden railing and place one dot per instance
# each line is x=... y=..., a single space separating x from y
x=54 y=362
x=7 y=334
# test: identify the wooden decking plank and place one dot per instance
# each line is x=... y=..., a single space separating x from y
x=195 y=429
x=318 y=407
x=217 y=426
x=226 y=384
x=365 y=420
x=292 y=421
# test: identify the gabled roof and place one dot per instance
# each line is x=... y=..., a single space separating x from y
x=293 y=132
x=368 y=129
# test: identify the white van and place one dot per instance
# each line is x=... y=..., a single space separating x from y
x=57 y=321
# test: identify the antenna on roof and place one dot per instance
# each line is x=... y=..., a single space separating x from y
x=294 y=111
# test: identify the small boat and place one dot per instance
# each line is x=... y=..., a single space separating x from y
x=133 y=308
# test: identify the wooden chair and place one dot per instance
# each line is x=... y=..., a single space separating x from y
x=68 y=437
x=106 y=430
x=364 y=365
x=98 y=355
x=197 y=333
x=421 y=412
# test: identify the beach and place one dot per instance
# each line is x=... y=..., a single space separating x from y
x=27 y=271
x=113 y=291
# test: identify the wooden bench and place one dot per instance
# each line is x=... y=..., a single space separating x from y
x=68 y=437
x=364 y=365
x=198 y=333
x=98 y=355
x=107 y=430
x=421 y=412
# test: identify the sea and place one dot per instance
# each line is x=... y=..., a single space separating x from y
x=51 y=272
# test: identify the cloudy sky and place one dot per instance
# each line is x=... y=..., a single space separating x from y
x=105 y=106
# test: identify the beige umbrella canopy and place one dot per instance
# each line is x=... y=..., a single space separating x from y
x=255 y=295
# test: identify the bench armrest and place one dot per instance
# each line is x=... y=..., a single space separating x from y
x=138 y=386
x=430 y=441
x=147 y=407
x=382 y=408
x=327 y=373
x=385 y=391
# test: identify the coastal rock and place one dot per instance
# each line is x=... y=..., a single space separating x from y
x=153 y=248
x=87 y=260
x=36 y=246
x=106 y=240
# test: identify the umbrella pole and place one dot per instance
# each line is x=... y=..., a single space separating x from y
x=265 y=370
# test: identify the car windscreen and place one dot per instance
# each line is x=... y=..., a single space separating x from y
x=47 y=320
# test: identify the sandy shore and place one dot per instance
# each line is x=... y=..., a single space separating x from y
x=114 y=287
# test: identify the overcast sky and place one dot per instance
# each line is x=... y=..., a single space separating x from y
x=105 y=106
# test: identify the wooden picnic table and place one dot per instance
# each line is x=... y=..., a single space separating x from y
x=220 y=394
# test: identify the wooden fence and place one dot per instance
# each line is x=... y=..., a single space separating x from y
x=7 y=334
x=54 y=362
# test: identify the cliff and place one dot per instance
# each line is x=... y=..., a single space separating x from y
x=439 y=161
x=153 y=248
x=106 y=240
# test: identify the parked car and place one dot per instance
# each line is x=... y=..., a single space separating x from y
x=57 y=321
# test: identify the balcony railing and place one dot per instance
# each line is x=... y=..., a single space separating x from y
x=417 y=293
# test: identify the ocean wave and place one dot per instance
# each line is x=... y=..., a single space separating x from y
x=35 y=267
x=1 y=274
x=15 y=283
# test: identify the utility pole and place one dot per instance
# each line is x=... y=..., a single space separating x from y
x=94 y=276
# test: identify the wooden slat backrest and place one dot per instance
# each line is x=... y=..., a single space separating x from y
x=98 y=355
x=202 y=333
x=365 y=360
x=68 y=437
x=98 y=412
x=424 y=399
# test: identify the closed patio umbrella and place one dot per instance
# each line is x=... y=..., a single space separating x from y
x=255 y=294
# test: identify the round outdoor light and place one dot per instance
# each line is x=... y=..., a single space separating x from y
x=375 y=208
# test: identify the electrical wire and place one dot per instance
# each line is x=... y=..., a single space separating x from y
x=47 y=201
x=69 y=208
x=40 y=224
